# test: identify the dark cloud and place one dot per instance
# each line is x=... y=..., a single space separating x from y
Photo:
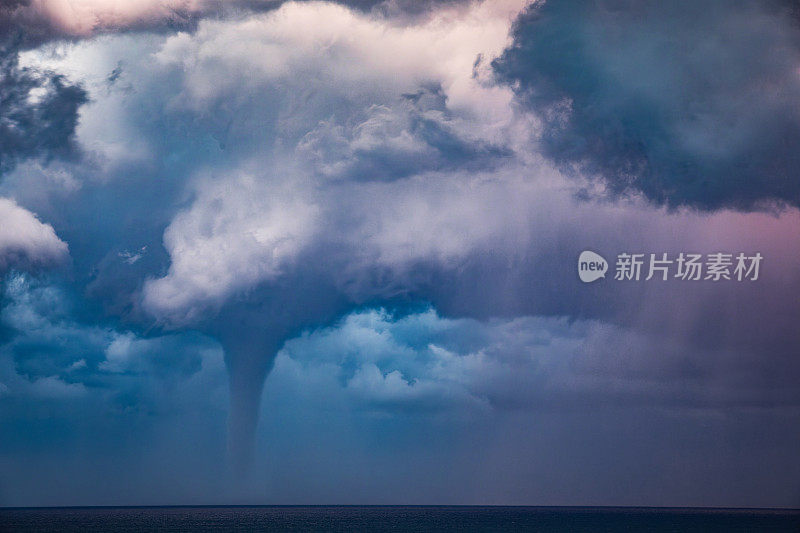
x=689 y=103
x=404 y=9
x=38 y=112
x=46 y=340
x=11 y=14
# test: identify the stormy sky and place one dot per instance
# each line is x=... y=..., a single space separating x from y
x=326 y=252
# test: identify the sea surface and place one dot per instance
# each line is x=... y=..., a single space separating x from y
x=395 y=518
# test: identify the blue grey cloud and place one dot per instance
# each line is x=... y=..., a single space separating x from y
x=82 y=399
x=49 y=346
x=420 y=361
x=415 y=397
x=39 y=111
x=688 y=103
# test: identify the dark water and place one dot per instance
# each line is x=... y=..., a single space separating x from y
x=338 y=518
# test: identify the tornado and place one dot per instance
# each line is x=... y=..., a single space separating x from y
x=250 y=353
x=247 y=369
x=251 y=333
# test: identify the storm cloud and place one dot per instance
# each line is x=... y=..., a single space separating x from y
x=348 y=204
x=688 y=103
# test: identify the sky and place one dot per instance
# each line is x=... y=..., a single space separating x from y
x=266 y=252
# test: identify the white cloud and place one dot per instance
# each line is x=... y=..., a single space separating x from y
x=119 y=352
x=439 y=217
x=25 y=241
x=311 y=44
x=237 y=233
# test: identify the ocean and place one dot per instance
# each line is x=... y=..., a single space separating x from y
x=395 y=518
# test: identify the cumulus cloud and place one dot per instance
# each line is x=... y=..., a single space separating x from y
x=688 y=103
x=395 y=116
x=25 y=241
x=333 y=47
x=422 y=361
x=232 y=238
